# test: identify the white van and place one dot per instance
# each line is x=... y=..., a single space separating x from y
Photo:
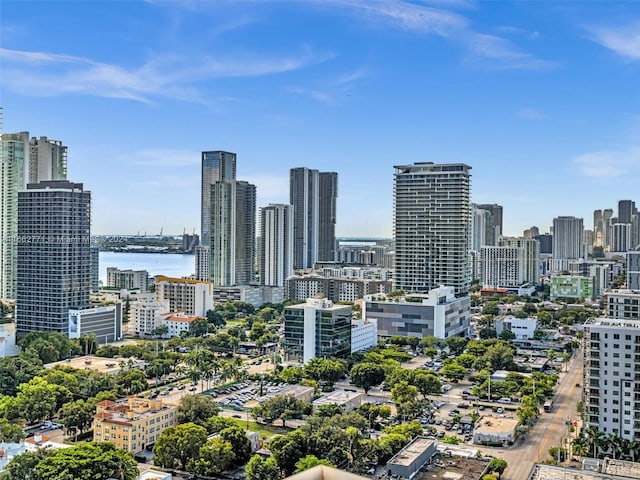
x=504 y=400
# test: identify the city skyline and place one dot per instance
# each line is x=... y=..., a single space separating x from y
x=507 y=88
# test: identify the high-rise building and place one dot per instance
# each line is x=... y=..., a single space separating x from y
x=501 y=266
x=626 y=210
x=610 y=369
x=633 y=270
x=531 y=233
x=128 y=279
x=203 y=261
x=621 y=237
x=54 y=260
x=432 y=226
x=217 y=166
x=546 y=243
x=567 y=241
x=232 y=233
x=531 y=256
x=482 y=229
x=95 y=268
x=313 y=195
x=276 y=244
x=496 y=214
x=22 y=161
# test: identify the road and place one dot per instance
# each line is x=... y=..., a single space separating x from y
x=551 y=428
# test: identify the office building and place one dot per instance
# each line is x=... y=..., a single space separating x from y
x=546 y=243
x=22 y=161
x=626 y=211
x=317 y=328
x=531 y=256
x=621 y=237
x=501 y=266
x=253 y=294
x=571 y=286
x=132 y=424
x=194 y=297
x=364 y=334
x=432 y=226
x=610 y=401
x=128 y=279
x=522 y=328
x=232 y=233
x=103 y=322
x=482 y=228
x=567 y=241
x=276 y=244
x=313 y=195
x=439 y=313
x=217 y=166
x=496 y=216
x=54 y=267
x=633 y=270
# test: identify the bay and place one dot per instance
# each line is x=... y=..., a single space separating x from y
x=169 y=264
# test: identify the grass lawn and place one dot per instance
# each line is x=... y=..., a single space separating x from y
x=265 y=431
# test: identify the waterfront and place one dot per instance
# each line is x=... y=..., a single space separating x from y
x=169 y=264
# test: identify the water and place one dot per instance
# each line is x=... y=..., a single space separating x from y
x=169 y=264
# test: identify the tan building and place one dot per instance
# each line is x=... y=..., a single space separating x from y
x=495 y=430
x=132 y=424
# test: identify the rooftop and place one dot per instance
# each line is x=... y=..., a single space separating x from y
x=551 y=472
x=621 y=468
x=497 y=424
x=453 y=468
x=322 y=472
x=411 y=452
x=98 y=364
x=613 y=322
x=339 y=397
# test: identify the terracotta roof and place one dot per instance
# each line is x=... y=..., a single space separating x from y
x=105 y=403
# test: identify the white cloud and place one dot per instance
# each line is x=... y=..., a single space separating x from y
x=609 y=164
x=173 y=76
x=625 y=41
x=271 y=188
x=530 y=114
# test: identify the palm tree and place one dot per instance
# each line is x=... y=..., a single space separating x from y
x=594 y=439
x=613 y=444
x=634 y=448
x=194 y=374
x=579 y=449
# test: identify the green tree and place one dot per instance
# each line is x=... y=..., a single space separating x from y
x=287 y=450
x=280 y=407
x=216 y=319
x=214 y=457
x=426 y=382
x=260 y=469
x=39 y=400
x=487 y=332
x=23 y=467
x=177 y=445
x=311 y=461
x=498 y=465
x=199 y=327
x=196 y=409
x=160 y=331
x=454 y=371
x=88 y=461
x=405 y=397
x=456 y=345
x=325 y=370
x=240 y=444
x=366 y=375
x=76 y=415
x=10 y=432
x=17 y=370
x=507 y=335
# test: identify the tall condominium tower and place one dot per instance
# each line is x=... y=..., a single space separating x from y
x=482 y=229
x=54 y=255
x=276 y=244
x=432 y=226
x=567 y=241
x=531 y=255
x=232 y=233
x=22 y=161
x=626 y=211
x=313 y=195
x=496 y=215
x=217 y=166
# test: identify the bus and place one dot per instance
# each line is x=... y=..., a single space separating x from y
x=548 y=405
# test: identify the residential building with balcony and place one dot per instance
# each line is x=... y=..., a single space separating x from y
x=623 y=304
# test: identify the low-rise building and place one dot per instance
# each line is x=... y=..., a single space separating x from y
x=522 y=328
x=147 y=315
x=571 y=286
x=255 y=295
x=408 y=461
x=134 y=423
x=623 y=304
x=439 y=313
x=178 y=322
x=104 y=322
x=592 y=469
x=336 y=289
x=299 y=392
x=495 y=431
x=349 y=401
x=364 y=334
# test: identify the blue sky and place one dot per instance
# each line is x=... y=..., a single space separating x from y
x=542 y=99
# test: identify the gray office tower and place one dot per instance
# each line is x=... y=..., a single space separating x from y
x=54 y=257
x=432 y=226
x=496 y=215
x=217 y=166
x=313 y=195
x=232 y=233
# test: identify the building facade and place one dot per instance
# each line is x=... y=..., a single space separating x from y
x=439 y=313
x=194 y=297
x=317 y=328
x=22 y=161
x=147 y=315
x=501 y=266
x=54 y=266
x=128 y=279
x=623 y=304
x=571 y=286
x=633 y=270
x=232 y=233
x=522 y=328
x=611 y=379
x=203 y=260
x=364 y=334
x=217 y=166
x=530 y=256
x=301 y=287
x=132 y=424
x=104 y=322
x=313 y=195
x=276 y=244
x=567 y=241
x=432 y=226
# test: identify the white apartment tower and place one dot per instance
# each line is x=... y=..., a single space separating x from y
x=217 y=166
x=567 y=241
x=501 y=267
x=611 y=379
x=22 y=161
x=432 y=226
x=276 y=244
x=531 y=256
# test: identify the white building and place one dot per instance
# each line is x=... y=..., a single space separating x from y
x=146 y=316
x=610 y=376
x=177 y=323
x=364 y=334
x=104 y=322
x=530 y=256
x=567 y=242
x=349 y=401
x=633 y=270
x=623 y=304
x=432 y=226
x=501 y=266
x=195 y=297
x=523 y=328
x=202 y=258
x=276 y=244
x=128 y=279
